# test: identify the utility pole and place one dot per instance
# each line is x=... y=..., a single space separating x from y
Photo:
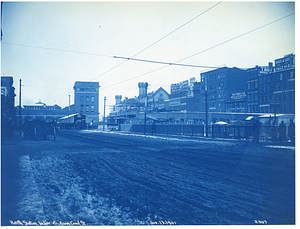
x=145 y=122
x=104 y=113
x=206 y=105
x=69 y=110
x=206 y=114
x=20 y=112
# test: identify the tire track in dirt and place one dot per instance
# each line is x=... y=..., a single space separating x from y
x=221 y=178
x=30 y=206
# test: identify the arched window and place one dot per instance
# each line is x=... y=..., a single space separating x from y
x=221 y=86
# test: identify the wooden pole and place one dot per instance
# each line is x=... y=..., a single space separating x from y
x=20 y=112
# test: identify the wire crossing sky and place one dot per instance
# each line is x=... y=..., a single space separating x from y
x=158 y=40
x=189 y=65
x=50 y=45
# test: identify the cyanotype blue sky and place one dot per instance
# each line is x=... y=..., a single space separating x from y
x=51 y=45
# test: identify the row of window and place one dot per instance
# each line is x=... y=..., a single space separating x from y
x=271 y=78
x=40 y=108
x=213 y=76
x=289 y=108
x=271 y=88
x=277 y=97
x=87 y=89
x=221 y=86
x=87 y=98
x=89 y=108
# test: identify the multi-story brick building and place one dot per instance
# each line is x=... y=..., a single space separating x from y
x=272 y=88
x=86 y=99
x=181 y=97
x=258 y=88
x=283 y=77
x=226 y=90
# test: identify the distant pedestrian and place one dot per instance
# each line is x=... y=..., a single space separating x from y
x=256 y=131
x=282 y=132
x=291 y=131
x=153 y=128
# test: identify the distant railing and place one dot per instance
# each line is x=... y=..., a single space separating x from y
x=216 y=131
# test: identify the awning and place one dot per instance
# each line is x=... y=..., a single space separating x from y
x=152 y=117
x=221 y=123
x=270 y=115
x=249 y=118
x=69 y=116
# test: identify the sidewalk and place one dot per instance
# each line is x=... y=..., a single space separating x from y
x=200 y=139
x=10 y=152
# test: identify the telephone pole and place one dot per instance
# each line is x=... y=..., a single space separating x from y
x=145 y=122
x=69 y=110
x=104 y=113
x=20 y=112
x=206 y=114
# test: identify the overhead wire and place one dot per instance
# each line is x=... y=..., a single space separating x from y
x=102 y=55
x=176 y=63
x=156 y=62
x=178 y=28
x=241 y=35
x=159 y=39
x=59 y=50
x=167 y=63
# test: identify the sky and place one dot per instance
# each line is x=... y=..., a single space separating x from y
x=50 y=45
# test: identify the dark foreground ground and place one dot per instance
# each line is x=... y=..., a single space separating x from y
x=93 y=178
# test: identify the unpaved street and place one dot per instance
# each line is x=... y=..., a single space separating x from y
x=96 y=178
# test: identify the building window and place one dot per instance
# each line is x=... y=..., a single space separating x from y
x=212 y=87
x=87 y=108
x=87 y=98
x=92 y=98
x=221 y=86
x=92 y=108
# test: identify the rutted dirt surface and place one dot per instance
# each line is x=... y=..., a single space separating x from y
x=115 y=179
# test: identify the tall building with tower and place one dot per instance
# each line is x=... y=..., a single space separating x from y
x=86 y=99
x=143 y=86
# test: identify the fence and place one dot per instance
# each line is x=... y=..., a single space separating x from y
x=217 y=131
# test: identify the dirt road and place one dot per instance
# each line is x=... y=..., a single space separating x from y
x=96 y=178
